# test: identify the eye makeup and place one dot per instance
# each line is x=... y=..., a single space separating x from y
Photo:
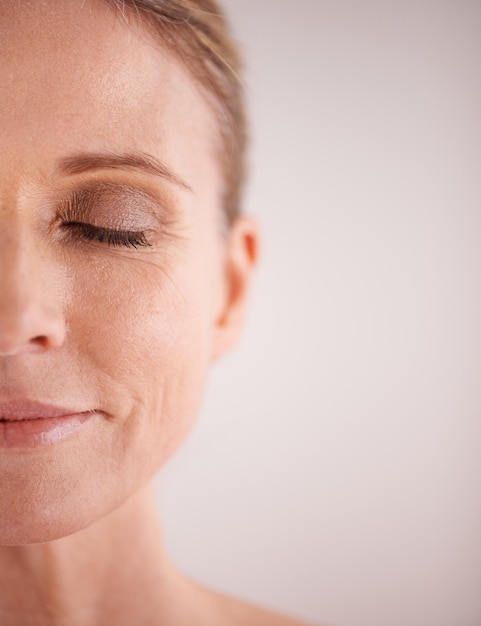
x=110 y=214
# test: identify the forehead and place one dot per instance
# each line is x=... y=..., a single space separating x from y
x=78 y=76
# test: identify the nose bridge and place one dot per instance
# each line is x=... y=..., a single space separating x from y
x=29 y=319
x=19 y=264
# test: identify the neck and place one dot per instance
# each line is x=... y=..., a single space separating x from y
x=114 y=572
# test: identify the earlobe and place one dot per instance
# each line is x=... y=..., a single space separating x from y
x=241 y=257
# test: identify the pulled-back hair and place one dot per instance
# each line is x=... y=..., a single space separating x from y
x=196 y=31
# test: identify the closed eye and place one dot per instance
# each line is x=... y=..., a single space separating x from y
x=108 y=236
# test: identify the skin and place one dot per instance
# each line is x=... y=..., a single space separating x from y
x=125 y=332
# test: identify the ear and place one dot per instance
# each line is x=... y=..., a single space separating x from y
x=240 y=259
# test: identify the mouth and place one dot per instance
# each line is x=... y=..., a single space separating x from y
x=31 y=424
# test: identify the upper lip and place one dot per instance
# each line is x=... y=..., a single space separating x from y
x=20 y=410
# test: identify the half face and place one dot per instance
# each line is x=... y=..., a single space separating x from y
x=115 y=285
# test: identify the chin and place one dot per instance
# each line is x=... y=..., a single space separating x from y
x=41 y=507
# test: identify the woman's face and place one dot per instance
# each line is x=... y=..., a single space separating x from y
x=116 y=287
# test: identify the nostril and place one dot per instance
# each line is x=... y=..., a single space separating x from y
x=46 y=342
x=40 y=340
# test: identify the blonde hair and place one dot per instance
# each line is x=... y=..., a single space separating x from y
x=196 y=31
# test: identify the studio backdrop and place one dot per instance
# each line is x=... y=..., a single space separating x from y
x=335 y=470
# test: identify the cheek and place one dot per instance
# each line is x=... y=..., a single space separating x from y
x=142 y=335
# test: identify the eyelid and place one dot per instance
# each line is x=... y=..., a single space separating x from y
x=106 y=214
x=109 y=236
x=118 y=206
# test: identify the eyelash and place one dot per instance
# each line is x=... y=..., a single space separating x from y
x=109 y=236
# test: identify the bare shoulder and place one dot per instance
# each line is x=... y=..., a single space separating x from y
x=212 y=608
x=234 y=612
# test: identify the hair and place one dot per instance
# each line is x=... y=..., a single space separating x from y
x=197 y=32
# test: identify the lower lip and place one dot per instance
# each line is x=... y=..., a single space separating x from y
x=34 y=433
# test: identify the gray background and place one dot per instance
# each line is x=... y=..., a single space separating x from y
x=335 y=471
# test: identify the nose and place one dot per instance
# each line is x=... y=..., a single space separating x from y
x=31 y=318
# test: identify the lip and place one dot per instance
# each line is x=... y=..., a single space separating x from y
x=32 y=424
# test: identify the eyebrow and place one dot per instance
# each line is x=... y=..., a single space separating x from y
x=133 y=161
